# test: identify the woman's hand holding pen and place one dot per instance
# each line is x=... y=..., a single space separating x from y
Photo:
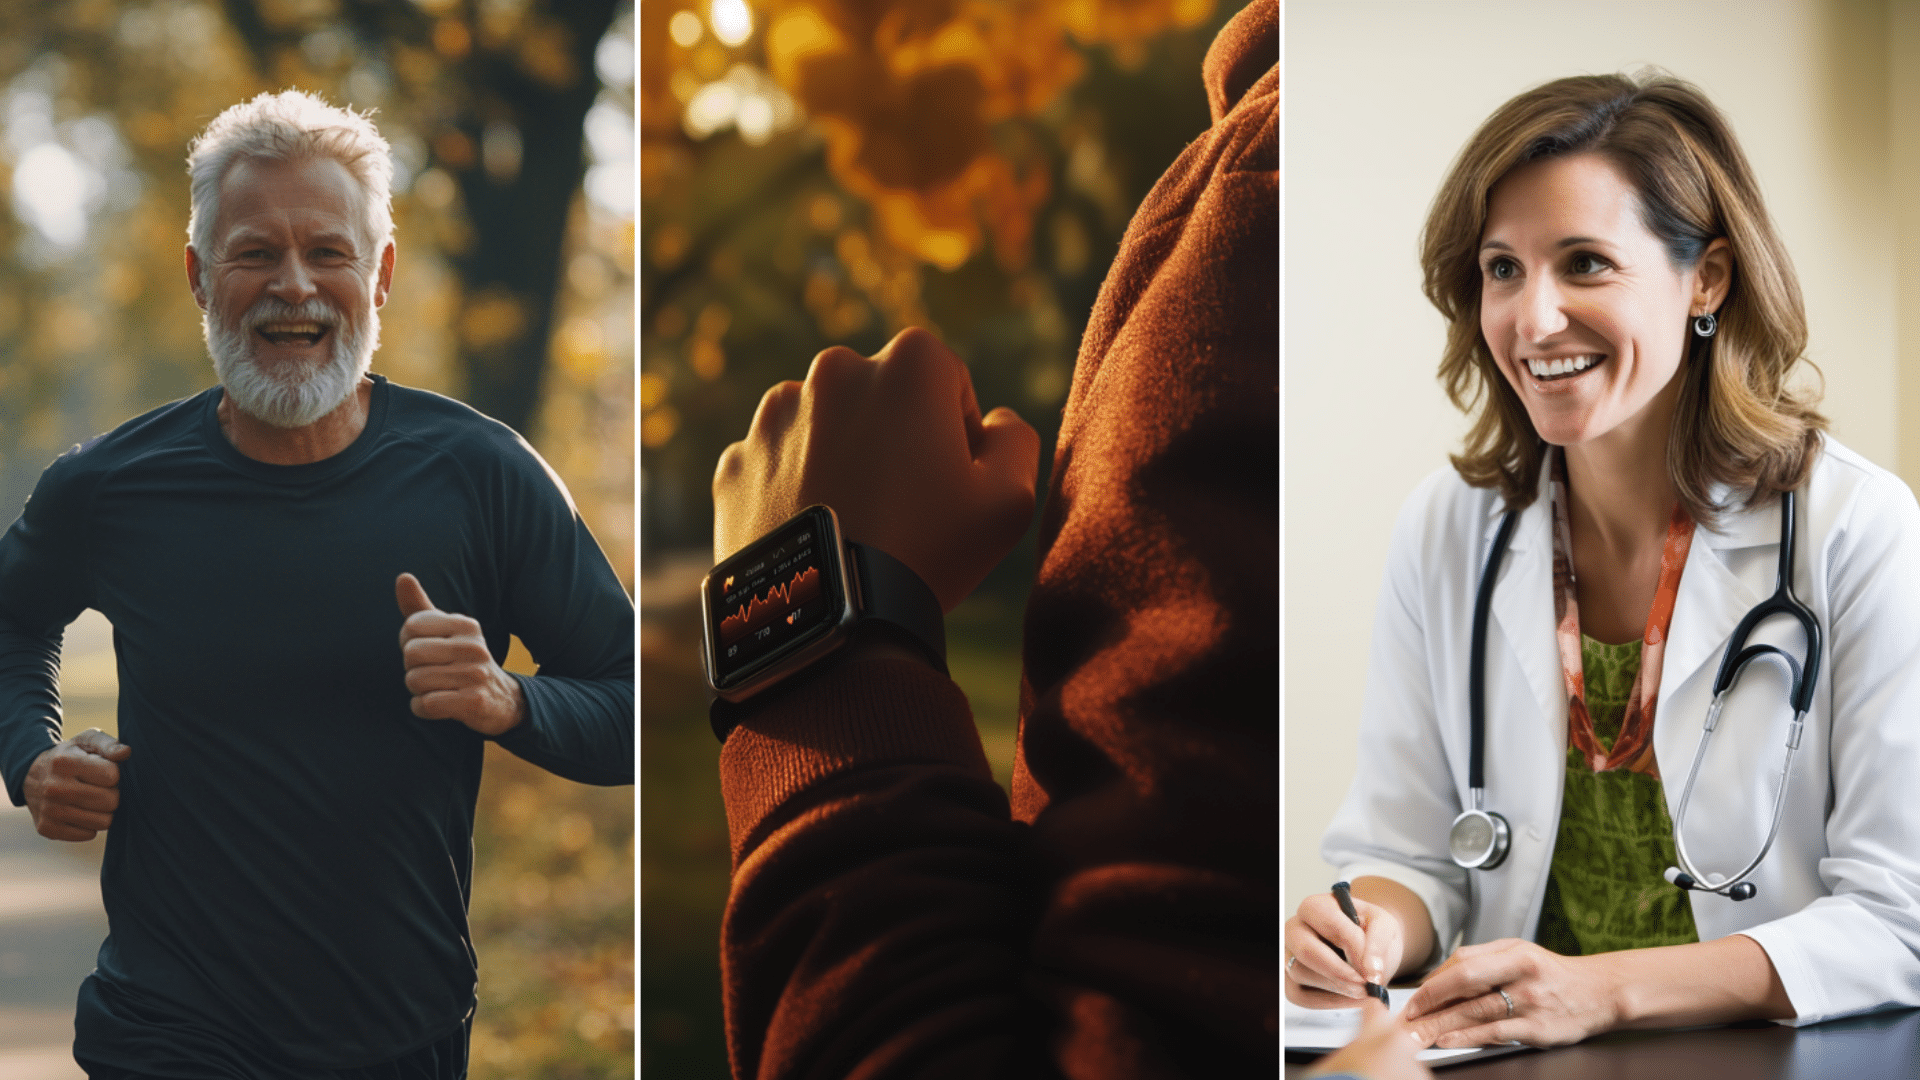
x=1317 y=978
x=1395 y=934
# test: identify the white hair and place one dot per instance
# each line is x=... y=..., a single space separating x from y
x=290 y=126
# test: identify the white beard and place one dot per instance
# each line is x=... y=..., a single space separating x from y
x=292 y=395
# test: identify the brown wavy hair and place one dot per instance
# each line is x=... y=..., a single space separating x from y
x=1737 y=422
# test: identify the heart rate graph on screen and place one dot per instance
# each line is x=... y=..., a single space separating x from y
x=780 y=602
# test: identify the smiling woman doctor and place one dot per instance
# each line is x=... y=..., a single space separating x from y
x=1622 y=322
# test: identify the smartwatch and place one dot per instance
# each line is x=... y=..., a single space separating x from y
x=793 y=597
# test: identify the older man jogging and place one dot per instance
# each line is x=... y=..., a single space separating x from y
x=312 y=575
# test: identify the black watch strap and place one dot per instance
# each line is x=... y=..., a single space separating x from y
x=893 y=595
x=893 y=599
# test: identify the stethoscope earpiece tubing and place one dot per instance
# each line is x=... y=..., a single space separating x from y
x=1782 y=602
x=1477 y=674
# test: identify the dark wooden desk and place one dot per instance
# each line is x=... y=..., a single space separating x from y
x=1883 y=1046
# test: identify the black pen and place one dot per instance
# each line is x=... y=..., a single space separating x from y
x=1343 y=893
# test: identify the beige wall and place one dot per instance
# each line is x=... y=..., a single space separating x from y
x=1379 y=97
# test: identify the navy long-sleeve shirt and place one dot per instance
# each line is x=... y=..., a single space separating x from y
x=289 y=866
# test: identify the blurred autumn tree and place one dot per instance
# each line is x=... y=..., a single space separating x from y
x=817 y=172
x=512 y=130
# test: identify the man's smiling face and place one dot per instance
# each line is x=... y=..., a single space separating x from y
x=291 y=289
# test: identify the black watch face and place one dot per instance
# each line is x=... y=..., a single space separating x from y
x=774 y=598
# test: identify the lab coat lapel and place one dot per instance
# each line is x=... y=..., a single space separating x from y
x=1712 y=600
x=1523 y=611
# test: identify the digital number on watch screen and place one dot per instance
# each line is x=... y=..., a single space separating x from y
x=772 y=597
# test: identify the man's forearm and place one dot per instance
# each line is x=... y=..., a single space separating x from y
x=581 y=729
x=877 y=909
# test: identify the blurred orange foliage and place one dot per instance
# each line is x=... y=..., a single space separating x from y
x=908 y=92
x=1127 y=25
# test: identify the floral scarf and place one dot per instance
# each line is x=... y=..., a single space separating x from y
x=1633 y=747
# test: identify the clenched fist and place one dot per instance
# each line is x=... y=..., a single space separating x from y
x=450 y=673
x=74 y=788
x=897 y=446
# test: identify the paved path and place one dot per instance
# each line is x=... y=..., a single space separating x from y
x=51 y=925
x=51 y=922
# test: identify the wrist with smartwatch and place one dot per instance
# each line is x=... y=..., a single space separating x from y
x=784 y=604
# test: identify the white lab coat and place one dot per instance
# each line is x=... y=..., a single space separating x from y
x=1838 y=907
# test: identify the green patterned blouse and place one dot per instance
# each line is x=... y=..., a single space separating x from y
x=1605 y=891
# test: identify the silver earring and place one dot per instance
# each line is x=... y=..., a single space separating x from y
x=1704 y=325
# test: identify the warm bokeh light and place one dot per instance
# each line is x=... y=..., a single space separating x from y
x=686 y=29
x=732 y=21
x=51 y=190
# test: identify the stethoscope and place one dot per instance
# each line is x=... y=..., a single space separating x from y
x=1479 y=839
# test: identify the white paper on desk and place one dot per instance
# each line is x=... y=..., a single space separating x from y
x=1330 y=1029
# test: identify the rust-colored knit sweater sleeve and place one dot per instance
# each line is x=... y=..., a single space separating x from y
x=891 y=915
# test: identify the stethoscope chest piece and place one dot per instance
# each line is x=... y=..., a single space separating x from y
x=1479 y=840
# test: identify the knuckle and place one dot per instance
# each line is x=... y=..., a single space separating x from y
x=729 y=466
x=916 y=341
x=774 y=401
x=916 y=337
x=920 y=354
x=834 y=363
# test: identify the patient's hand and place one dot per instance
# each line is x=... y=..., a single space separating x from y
x=1385 y=1049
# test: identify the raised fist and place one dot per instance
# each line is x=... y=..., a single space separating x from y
x=74 y=788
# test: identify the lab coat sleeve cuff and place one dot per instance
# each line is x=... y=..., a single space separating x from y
x=1446 y=908
x=1837 y=959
